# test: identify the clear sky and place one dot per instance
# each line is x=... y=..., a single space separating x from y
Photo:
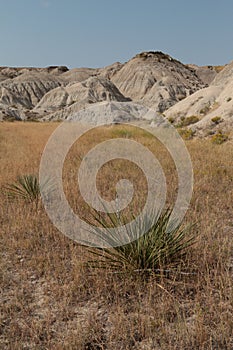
x=96 y=33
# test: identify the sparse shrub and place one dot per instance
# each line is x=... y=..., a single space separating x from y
x=205 y=110
x=187 y=134
x=157 y=249
x=32 y=119
x=209 y=132
x=216 y=120
x=190 y=120
x=219 y=138
x=209 y=107
x=187 y=121
x=171 y=120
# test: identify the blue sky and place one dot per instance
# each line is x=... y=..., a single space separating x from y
x=97 y=33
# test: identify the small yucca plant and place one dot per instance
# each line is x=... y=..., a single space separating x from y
x=26 y=187
x=156 y=250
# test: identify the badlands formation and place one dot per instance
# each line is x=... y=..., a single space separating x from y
x=199 y=98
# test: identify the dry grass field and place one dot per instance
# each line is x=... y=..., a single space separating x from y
x=50 y=299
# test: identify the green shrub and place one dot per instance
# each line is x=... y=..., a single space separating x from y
x=219 y=138
x=190 y=120
x=187 y=121
x=157 y=249
x=187 y=134
x=216 y=120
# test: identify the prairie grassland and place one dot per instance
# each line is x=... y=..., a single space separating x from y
x=51 y=300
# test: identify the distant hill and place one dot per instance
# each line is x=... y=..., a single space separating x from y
x=212 y=106
x=152 y=79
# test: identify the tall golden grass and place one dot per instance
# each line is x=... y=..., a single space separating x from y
x=50 y=299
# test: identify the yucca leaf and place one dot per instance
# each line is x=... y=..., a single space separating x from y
x=27 y=187
x=157 y=247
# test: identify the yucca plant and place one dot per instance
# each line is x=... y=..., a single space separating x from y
x=26 y=187
x=158 y=249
